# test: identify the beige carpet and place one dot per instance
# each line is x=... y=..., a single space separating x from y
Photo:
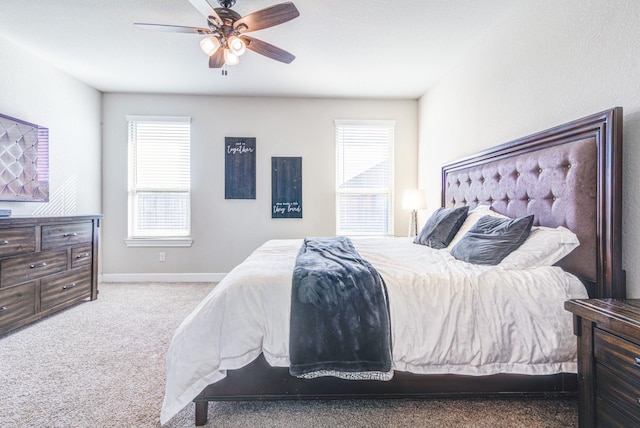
x=101 y=364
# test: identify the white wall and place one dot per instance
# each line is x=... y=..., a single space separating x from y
x=546 y=63
x=33 y=91
x=227 y=231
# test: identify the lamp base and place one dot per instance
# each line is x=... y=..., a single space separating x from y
x=413 y=224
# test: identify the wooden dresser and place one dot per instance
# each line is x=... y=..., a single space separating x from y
x=46 y=264
x=608 y=333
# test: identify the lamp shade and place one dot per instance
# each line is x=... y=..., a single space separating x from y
x=414 y=199
x=210 y=45
x=230 y=58
x=236 y=45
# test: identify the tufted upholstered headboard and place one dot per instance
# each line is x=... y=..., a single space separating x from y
x=570 y=176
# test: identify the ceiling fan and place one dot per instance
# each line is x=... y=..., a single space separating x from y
x=226 y=40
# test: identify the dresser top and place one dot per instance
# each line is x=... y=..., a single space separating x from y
x=621 y=313
x=17 y=220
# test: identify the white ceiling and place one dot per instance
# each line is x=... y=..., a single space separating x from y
x=343 y=48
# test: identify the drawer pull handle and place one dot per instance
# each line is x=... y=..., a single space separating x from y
x=67 y=235
x=637 y=361
x=83 y=255
x=66 y=287
x=5 y=242
x=3 y=309
x=43 y=264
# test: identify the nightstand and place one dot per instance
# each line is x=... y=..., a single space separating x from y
x=608 y=332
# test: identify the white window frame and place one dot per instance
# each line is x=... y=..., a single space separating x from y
x=353 y=125
x=137 y=237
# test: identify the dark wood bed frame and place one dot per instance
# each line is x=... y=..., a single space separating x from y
x=508 y=177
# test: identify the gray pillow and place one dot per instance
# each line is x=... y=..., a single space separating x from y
x=441 y=227
x=492 y=239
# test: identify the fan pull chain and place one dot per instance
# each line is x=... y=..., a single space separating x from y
x=224 y=70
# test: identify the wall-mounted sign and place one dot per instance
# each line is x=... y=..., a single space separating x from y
x=286 y=187
x=239 y=168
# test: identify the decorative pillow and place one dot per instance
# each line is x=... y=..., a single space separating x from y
x=492 y=239
x=472 y=218
x=545 y=246
x=441 y=227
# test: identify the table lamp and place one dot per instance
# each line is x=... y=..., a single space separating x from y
x=414 y=200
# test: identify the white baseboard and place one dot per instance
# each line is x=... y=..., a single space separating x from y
x=162 y=277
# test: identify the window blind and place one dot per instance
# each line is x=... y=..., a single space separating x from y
x=364 y=167
x=159 y=176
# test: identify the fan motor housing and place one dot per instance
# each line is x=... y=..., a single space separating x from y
x=228 y=14
x=226 y=3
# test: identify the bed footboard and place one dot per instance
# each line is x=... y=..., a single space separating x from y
x=260 y=381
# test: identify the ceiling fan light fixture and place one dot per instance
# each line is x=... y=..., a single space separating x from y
x=236 y=45
x=230 y=58
x=210 y=45
x=224 y=35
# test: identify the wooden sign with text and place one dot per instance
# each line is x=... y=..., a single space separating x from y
x=286 y=187
x=240 y=168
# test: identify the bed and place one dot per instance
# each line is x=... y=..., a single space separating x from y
x=234 y=344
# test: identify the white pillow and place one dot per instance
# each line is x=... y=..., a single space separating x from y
x=544 y=247
x=472 y=218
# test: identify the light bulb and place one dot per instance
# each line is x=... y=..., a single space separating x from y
x=210 y=45
x=230 y=58
x=236 y=45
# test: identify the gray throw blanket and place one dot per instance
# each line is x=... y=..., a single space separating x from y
x=340 y=323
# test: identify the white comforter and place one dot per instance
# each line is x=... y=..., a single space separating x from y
x=447 y=316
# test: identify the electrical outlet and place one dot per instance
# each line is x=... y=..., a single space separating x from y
x=161 y=256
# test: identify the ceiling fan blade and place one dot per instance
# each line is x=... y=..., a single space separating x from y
x=267 y=17
x=217 y=59
x=173 y=28
x=268 y=50
x=205 y=8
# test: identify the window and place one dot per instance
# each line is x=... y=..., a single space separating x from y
x=364 y=184
x=159 y=180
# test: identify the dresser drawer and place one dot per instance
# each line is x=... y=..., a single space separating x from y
x=61 y=235
x=81 y=256
x=618 y=354
x=618 y=392
x=17 y=240
x=31 y=266
x=609 y=417
x=16 y=303
x=64 y=287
